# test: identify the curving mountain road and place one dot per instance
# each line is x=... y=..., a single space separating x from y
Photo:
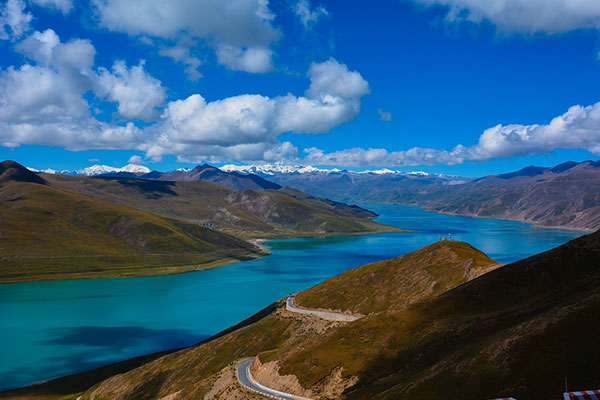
x=246 y=380
x=330 y=316
x=244 y=375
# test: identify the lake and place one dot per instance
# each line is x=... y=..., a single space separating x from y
x=50 y=329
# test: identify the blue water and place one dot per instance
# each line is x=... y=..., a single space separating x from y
x=50 y=329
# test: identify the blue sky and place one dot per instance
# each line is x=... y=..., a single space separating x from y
x=404 y=84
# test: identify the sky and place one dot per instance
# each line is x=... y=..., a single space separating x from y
x=463 y=87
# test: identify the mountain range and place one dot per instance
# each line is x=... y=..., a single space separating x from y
x=566 y=195
x=442 y=322
x=55 y=226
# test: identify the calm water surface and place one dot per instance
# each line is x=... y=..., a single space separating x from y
x=50 y=329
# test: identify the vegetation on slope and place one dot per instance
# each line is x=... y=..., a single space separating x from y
x=518 y=330
x=396 y=283
x=248 y=214
x=49 y=233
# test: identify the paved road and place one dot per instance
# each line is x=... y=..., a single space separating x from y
x=330 y=316
x=246 y=380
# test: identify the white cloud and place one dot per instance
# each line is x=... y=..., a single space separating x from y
x=577 y=128
x=246 y=127
x=307 y=15
x=182 y=54
x=64 y=6
x=43 y=103
x=384 y=115
x=136 y=160
x=530 y=16
x=252 y=59
x=241 y=31
x=13 y=16
x=137 y=93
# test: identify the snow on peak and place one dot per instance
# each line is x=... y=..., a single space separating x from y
x=106 y=169
x=271 y=169
x=46 y=171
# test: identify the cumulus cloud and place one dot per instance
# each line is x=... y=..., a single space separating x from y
x=241 y=32
x=307 y=14
x=384 y=115
x=43 y=102
x=137 y=93
x=14 y=17
x=577 y=128
x=531 y=16
x=64 y=6
x=246 y=127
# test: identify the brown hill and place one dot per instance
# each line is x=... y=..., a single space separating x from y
x=231 y=180
x=51 y=233
x=247 y=213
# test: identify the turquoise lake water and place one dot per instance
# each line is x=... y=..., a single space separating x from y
x=50 y=329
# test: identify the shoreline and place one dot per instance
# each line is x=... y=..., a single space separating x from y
x=524 y=221
x=217 y=263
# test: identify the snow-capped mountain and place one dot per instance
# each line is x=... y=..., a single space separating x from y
x=271 y=169
x=46 y=171
x=379 y=185
x=106 y=169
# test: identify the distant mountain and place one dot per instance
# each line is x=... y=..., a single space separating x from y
x=567 y=195
x=433 y=327
x=232 y=180
x=50 y=233
x=252 y=214
x=381 y=186
x=132 y=169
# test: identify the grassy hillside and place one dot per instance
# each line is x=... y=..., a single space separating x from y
x=518 y=330
x=49 y=233
x=393 y=284
x=249 y=214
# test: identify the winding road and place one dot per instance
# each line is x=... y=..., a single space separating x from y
x=329 y=316
x=244 y=375
x=245 y=378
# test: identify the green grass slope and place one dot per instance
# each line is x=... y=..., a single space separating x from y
x=249 y=214
x=395 y=283
x=49 y=233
